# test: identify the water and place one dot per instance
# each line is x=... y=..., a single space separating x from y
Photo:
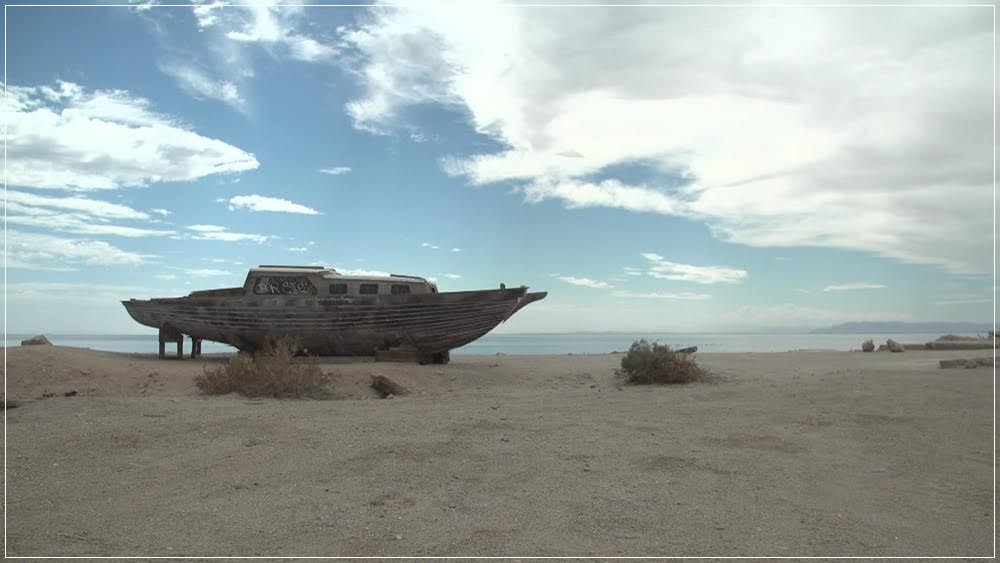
x=569 y=343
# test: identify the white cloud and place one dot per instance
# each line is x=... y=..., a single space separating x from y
x=336 y=170
x=206 y=272
x=198 y=84
x=268 y=24
x=207 y=228
x=74 y=293
x=48 y=252
x=852 y=286
x=850 y=157
x=452 y=276
x=83 y=225
x=167 y=277
x=585 y=282
x=429 y=245
x=666 y=270
x=297 y=248
x=361 y=272
x=216 y=232
x=78 y=215
x=256 y=203
x=456 y=249
x=71 y=138
x=87 y=206
x=162 y=212
x=681 y=296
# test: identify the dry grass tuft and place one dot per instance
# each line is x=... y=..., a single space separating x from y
x=272 y=371
x=651 y=363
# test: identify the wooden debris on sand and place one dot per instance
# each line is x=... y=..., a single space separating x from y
x=387 y=387
x=966 y=363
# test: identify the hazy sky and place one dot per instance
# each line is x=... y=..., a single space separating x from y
x=653 y=168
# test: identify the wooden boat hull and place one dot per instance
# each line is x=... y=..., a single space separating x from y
x=432 y=324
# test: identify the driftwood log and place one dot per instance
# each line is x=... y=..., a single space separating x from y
x=688 y=350
x=385 y=386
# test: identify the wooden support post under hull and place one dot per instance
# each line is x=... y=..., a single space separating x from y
x=170 y=334
x=195 y=347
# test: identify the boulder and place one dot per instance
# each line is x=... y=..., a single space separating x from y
x=946 y=364
x=894 y=346
x=39 y=340
x=868 y=346
x=688 y=350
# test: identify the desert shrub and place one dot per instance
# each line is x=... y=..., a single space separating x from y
x=271 y=371
x=651 y=363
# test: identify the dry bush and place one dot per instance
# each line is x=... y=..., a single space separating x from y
x=651 y=363
x=270 y=372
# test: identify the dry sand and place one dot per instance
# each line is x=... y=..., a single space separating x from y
x=806 y=453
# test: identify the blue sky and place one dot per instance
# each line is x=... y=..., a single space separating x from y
x=653 y=169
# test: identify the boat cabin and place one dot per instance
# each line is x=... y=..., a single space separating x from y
x=327 y=282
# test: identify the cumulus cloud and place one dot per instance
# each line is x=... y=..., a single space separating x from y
x=336 y=170
x=585 y=282
x=162 y=212
x=255 y=203
x=456 y=249
x=72 y=138
x=34 y=251
x=852 y=286
x=663 y=269
x=429 y=245
x=775 y=126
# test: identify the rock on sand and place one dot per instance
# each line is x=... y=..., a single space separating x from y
x=39 y=340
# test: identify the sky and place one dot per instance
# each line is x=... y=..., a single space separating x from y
x=653 y=168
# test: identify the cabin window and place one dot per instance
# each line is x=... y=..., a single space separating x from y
x=400 y=290
x=368 y=289
x=283 y=285
x=338 y=289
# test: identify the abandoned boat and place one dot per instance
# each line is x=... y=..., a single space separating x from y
x=332 y=314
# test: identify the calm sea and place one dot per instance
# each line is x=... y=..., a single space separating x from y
x=569 y=343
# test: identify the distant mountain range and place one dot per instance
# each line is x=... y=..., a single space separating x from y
x=899 y=327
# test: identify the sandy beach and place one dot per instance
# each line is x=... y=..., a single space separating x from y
x=792 y=454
